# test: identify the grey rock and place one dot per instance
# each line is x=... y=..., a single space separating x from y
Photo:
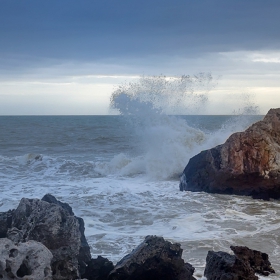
x=154 y=258
x=223 y=266
x=54 y=226
x=28 y=261
x=5 y=222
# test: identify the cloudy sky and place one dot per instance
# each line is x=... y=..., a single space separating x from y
x=68 y=56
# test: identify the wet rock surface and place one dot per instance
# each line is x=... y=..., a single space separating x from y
x=30 y=260
x=248 y=163
x=223 y=266
x=54 y=225
x=154 y=258
x=98 y=269
x=257 y=260
x=42 y=239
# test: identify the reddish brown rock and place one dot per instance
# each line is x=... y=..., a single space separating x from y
x=248 y=163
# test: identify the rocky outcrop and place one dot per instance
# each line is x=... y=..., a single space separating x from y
x=248 y=163
x=98 y=269
x=257 y=260
x=223 y=266
x=53 y=224
x=154 y=258
x=30 y=260
x=46 y=241
x=242 y=265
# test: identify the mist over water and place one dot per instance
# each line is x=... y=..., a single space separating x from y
x=155 y=108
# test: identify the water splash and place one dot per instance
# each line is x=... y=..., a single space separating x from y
x=166 y=141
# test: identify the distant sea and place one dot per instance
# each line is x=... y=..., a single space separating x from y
x=121 y=175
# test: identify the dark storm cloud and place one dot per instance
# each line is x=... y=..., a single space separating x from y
x=116 y=32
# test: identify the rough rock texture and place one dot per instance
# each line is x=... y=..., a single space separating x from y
x=154 y=258
x=30 y=260
x=257 y=260
x=223 y=266
x=248 y=163
x=5 y=222
x=58 y=229
x=98 y=269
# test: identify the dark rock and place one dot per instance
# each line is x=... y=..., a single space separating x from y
x=84 y=252
x=30 y=260
x=154 y=258
x=98 y=269
x=58 y=229
x=223 y=266
x=5 y=222
x=246 y=164
x=256 y=259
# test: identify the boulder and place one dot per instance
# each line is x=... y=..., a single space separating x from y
x=54 y=225
x=98 y=269
x=248 y=163
x=5 y=222
x=223 y=266
x=30 y=260
x=154 y=258
x=257 y=260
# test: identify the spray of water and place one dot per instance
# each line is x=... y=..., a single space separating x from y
x=167 y=141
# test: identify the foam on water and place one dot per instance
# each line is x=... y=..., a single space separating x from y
x=167 y=142
x=120 y=197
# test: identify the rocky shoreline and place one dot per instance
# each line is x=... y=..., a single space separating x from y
x=248 y=163
x=43 y=239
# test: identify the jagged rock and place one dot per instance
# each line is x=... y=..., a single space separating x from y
x=248 y=163
x=58 y=229
x=5 y=222
x=98 y=269
x=223 y=266
x=257 y=260
x=154 y=258
x=27 y=261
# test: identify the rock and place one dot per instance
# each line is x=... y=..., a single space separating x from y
x=248 y=163
x=30 y=260
x=154 y=258
x=5 y=222
x=223 y=266
x=58 y=229
x=98 y=269
x=256 y=259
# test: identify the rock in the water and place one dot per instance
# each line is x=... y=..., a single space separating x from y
x=58 y=229
x=223 y=266
x=28 y=261
x=248 y=163
x=98 y=269
x=257 y=260
x=154 y=258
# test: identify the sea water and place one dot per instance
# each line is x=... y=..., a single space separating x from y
x=121 y=175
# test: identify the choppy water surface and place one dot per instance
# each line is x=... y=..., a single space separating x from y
x=121 y=175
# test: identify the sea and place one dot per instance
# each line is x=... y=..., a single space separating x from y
x=121 y=174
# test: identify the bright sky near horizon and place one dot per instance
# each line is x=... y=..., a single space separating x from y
x=67 y=57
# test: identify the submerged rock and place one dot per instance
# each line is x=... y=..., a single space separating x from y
x=30 y=260
x=154 y=258
x=54 y=225
x=248 y=163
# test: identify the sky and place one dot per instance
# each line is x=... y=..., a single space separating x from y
x=66 y=57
